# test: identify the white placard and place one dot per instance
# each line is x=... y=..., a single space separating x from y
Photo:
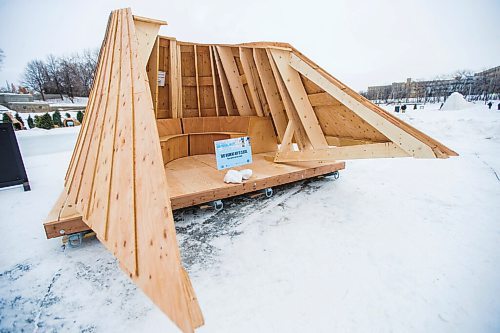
x=161 y=79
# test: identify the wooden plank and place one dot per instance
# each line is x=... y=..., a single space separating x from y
x=375 y=150
x=235 y=84
x=197 y=83
x=175 y=81
x=212 y=70
x=300 y=134
x=164 y=106
x=81 y=191
x=346 y=141
x=152 y=70
x=249 y=69
x=201 y=81
x=160 y=271
x=270 y=88
x=262 y=135
x=299 y=98
x=179 y=83
x=169 y=126
x=174 y=148
x=96 y=209
x=322 y=98
x=286 y=143
x=147 y=33
x=266 y=174
x=80 y=154
x=204 y=143
x=226 y=90
x=405 y=141
x=120 y=234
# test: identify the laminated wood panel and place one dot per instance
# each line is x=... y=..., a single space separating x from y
x=189 y=91
x=270 y=88
x=232 y=72
x=205 y=82
x=169 y=127
x=175 y=148
x=152 y=71
x=163 y=107
x=130 y=212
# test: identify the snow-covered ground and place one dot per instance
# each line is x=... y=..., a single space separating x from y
x=401 y=245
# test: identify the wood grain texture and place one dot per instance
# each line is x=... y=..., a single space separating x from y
x=137 y=134
x=117 y=194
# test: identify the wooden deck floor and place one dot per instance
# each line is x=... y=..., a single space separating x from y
x=195 y=180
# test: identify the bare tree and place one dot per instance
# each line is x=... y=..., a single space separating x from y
x=35 y=76
x=68 y=70
x=52 y=66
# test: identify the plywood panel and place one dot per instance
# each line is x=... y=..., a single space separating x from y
x=129 y=212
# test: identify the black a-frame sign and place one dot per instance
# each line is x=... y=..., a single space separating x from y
x=12 y=171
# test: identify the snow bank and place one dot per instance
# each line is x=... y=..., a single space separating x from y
x=456 y=101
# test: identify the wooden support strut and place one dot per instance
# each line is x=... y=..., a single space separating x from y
x=298 y=95
x=374 y=150
x=405 y=141
x=300 y=134
x=231 y=70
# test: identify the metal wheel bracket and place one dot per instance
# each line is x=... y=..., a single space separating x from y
x=335 y=175
x=218 y=205
x=268 y=192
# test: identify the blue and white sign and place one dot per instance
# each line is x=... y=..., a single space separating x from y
x=233 y=152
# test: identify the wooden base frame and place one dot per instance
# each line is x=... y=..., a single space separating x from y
x=208 y=185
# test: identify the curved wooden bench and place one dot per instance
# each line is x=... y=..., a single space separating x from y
x=183 y=137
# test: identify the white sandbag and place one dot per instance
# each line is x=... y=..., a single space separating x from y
x=233 y=176
x=246 y=173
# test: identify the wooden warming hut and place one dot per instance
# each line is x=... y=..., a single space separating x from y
x=147 y=142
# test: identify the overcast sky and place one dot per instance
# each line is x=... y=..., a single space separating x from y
x=361 y=43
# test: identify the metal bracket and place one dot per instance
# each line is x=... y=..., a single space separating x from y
x=268 y=192
x=218 y=205
x=335 y=175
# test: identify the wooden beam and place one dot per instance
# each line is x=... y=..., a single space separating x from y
x=270 y=88
x=214 y=83
x=407 y=142
x=323 y=99
x=226 y=90
x=233 y=77
x=287 y=144
x=300 y=134
x=299 y=98
x=147 y=33
x=197 y=80
x=251 y=77
x=345 y=141
x=175 y=80
x=149 y=20
x=375 y=150
x=153 y=65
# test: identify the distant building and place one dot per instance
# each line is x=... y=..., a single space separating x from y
x=484 y=83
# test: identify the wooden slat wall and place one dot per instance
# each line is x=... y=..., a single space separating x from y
x=256 y=79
